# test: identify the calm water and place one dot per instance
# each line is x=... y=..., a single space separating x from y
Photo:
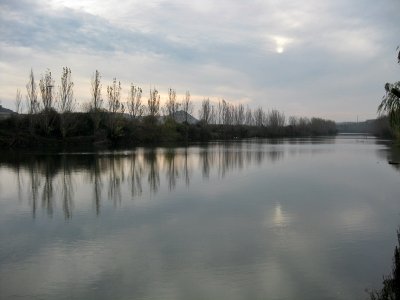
x=288 y=219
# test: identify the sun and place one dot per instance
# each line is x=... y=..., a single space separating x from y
x=279 y=49
x=281 y=43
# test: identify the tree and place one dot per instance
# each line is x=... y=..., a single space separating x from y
x=46 y=85
x=171 y=106
x=239 y=114
x=292 y=121
x=18 y=102
x=205 y=111
x=97 y=101
x=391 y=102
x=219 y=112
x=259 y=117
x=31 y=100
x=249 y=117
x=134 y=103
x=275 y=119
x=65 y=92
x=153 y=103
x=227 y=113
x=66 y=103
x=18 y=107
x=187 y=106
x=213 y=115
x=115 y=106
x=114 y=97
x=31 y=97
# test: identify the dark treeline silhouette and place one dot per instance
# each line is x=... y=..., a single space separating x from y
x=379 y=127
x=52 y=117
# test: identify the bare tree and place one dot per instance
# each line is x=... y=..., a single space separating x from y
x=135 y=106
x=259 y=117
x=213 y=115
x=187 y=106
x=219 y=112
x=97 y=101
x=18 y=108
x=31 y=100
x=249 y=117
x=292 y=121
x=66 y=102
x=205 y=111
x=303 y=123
x=227 y=113
x=153 y=103
x=18 y=102
x=65 y=92
x=46 y=85
x=32 y=95
x=239 y=114
x=115 y=106
x=171 y=106
x=276 y=119
x=114 y=97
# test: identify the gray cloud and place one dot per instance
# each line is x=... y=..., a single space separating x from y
x=264 y=53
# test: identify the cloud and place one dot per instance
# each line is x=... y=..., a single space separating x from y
x=258 y=50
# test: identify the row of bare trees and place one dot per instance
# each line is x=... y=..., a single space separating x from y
x=134 y=106
x=50 y=101
x=63 y=101
x=52 y=109
x=229 y=114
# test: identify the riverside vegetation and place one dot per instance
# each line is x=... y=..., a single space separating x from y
x=390 y=105
x=53 y=119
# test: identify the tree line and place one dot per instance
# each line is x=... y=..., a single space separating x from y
x=52 y=112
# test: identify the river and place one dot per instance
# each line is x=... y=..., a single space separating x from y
x=310 y=218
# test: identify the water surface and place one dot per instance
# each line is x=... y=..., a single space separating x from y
x=257 y=219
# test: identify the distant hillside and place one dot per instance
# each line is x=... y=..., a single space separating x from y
x=5 y=113
x=5 y=110
x=180 y=117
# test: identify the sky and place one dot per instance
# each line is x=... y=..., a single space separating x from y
x=313 y=58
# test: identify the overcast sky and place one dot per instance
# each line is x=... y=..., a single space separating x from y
x=326 y=58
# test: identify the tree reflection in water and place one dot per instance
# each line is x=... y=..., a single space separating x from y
x=34 y=187
x=136 y=174
x=67 y=189
x=153 y=177
x=54 y=177
x=116 y=175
